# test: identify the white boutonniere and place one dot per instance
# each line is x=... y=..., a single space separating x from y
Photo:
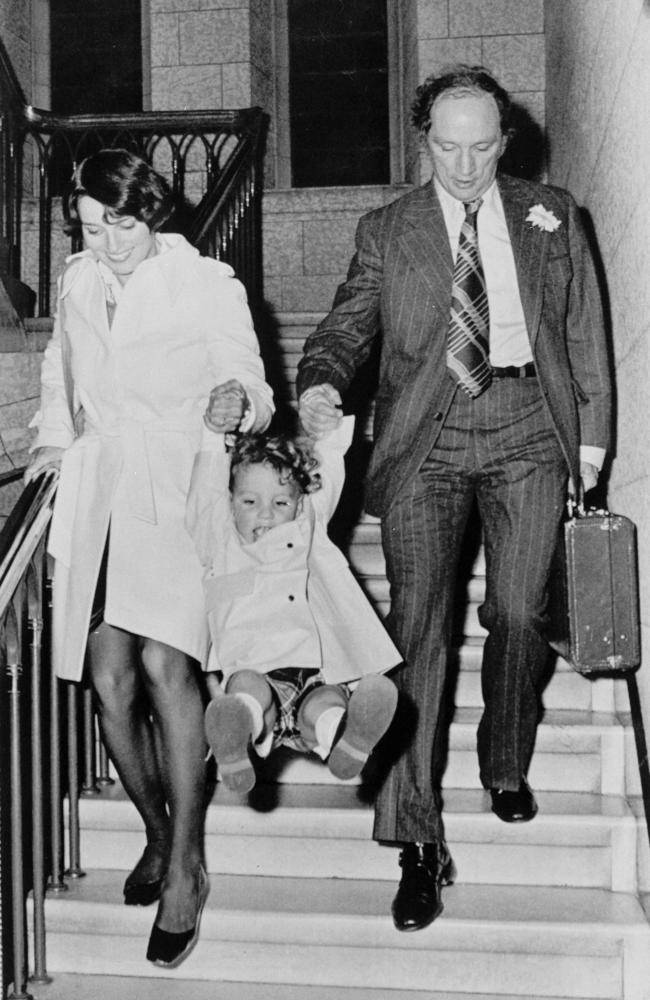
x=542 y=218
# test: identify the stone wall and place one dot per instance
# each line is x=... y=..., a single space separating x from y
x=209 y=53
x=598 y=74
x=16 y=32
x=308 y=239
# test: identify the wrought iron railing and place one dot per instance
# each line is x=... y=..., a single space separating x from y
x=23 y=799
x=212 y=159
x=50 y=752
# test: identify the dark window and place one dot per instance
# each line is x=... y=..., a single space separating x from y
x=96 y=56
x=95 y=67
x=338 y=92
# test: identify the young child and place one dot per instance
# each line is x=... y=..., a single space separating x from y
x=300 y=650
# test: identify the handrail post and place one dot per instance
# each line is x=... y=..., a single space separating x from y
x=90 y=786
x=56 y=883
x=74 y=870
x=35 y=621
x=104 y=777
x=14 y=673
x=45 y=231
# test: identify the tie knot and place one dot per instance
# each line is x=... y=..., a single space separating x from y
x=472 y=207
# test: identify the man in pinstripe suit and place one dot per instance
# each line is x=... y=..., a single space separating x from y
x=543 y=418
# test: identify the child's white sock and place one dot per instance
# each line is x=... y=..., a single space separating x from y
x=326 y=727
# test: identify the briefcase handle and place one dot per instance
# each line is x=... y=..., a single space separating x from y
x=576 y=506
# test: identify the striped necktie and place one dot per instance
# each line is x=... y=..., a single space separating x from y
x=468 y=348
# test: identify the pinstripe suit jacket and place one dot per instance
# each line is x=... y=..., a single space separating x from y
x=399 y=287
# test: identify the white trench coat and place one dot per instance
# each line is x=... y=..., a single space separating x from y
x=181 y=326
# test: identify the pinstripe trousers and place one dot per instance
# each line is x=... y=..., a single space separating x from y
x=500 y=449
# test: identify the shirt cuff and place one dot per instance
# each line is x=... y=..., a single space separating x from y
x=593 y=455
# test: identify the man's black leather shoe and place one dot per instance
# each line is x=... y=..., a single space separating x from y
x=514 y=807
x=425 y=868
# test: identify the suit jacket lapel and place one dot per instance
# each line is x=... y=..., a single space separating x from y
x=425 y=242
x=530 y=249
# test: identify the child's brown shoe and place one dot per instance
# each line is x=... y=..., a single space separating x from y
x=228 y=726
x=368 y=716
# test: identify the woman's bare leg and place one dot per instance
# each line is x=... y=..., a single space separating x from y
x=123 y=709
x=170 y=679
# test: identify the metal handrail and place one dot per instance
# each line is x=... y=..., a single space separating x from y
x=22 y=590
x=42 y=786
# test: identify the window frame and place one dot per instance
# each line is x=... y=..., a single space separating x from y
x=281 y=146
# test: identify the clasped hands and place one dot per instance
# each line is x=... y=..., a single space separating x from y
x=226 y=407
x=319 y=410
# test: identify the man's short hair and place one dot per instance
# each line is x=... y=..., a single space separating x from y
x=460 y=77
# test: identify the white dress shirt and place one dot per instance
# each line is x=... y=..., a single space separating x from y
x=509 y=342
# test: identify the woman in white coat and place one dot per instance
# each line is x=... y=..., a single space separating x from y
x=145 y=327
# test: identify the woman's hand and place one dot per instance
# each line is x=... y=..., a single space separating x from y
x=44 y=458
x=226 y=407
x=320 y=410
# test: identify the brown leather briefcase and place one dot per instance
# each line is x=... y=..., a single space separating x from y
x=593 y=594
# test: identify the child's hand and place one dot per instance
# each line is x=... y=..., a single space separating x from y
x=226 y=407
x=319 y=410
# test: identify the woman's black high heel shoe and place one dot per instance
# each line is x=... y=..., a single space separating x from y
x=138 y=892
x=142 y=893
x=167 y=949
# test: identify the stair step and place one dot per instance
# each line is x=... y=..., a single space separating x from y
x=75 y=987
x=566 y=689
x=572 y=943
x=326 y=831
x=575 y=751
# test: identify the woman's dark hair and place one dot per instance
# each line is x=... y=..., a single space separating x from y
x=125 y=184
x=459 y=77
x=292 y=460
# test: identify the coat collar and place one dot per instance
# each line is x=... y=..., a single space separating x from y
x=174 y=260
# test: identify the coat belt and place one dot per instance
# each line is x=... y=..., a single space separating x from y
x=132 y=437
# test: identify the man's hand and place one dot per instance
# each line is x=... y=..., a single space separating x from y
x=588 y=475
x=44 y=458
x=588 y=478
x=226 y=407
x=319 y=410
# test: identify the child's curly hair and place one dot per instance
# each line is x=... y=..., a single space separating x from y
x=290 y=459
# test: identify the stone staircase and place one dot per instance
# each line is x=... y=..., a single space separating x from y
x=300 y=897
x=300 y=894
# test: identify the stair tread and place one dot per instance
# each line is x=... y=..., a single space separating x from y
x=88 y=987
x=302 y=902
x=277 y=806
x=572 y=718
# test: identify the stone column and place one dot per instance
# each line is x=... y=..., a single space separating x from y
x=206 y=55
